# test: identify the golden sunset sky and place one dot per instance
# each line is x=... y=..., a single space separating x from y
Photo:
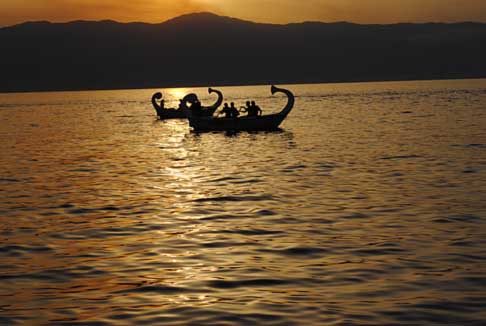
x=272 y=11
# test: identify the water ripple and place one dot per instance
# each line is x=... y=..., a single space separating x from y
x=366 y=209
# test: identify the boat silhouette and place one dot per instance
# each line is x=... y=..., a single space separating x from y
x=182 y=112
x=267 y=122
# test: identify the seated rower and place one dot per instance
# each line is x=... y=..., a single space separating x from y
x=234 y=110
x=252 y=109
x=226 y=111
x=255 y=109
x=196 y=108
x=246 y=108
x=230 y=111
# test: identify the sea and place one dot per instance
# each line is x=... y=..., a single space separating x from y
x=368 y=207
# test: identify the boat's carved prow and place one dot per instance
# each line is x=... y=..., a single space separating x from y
x=206 y=111
x=290 y=99
x=218 y=102
x=157 y=106
x=189 y=98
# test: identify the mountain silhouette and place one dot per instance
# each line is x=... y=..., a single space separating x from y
x=206 y=49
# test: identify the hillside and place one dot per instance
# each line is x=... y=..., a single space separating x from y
x=205 y=49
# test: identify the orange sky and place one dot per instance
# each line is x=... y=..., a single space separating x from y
x=275 y=11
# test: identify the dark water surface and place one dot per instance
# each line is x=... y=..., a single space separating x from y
x=369 y=208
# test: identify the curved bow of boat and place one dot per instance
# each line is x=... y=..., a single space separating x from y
x=290 y=99
x=218 y=102
x=189 y=98
x=155 y=97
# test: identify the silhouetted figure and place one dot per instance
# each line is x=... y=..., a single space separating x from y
x=253 y=110
x=246 y=108
x=196 y=108
x=230 y=111
x=234 y=110
x=226 y=111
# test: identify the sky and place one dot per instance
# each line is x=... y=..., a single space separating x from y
x=271 y=11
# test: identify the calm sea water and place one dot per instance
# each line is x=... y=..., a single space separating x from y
x=368 y=208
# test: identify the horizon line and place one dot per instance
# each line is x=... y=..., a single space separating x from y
x=197 y=85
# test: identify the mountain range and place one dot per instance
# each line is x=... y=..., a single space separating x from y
x=205 y=49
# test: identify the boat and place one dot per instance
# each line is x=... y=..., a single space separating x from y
x=182 y=111
x=267 y=122
x=166 y=113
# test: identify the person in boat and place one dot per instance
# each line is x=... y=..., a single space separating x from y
x=181 y=105
x=226 y=111
x=254 y=110
x=234 y=111
x=246 y=108
x=229 y=111
x=196 y=108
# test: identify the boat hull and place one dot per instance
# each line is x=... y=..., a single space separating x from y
x=261 y=123
x=164 y=114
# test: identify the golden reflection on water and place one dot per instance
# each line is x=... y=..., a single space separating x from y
x=175 y=94
x=366 y=208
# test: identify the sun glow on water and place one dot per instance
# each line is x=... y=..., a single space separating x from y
x=177 y=93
